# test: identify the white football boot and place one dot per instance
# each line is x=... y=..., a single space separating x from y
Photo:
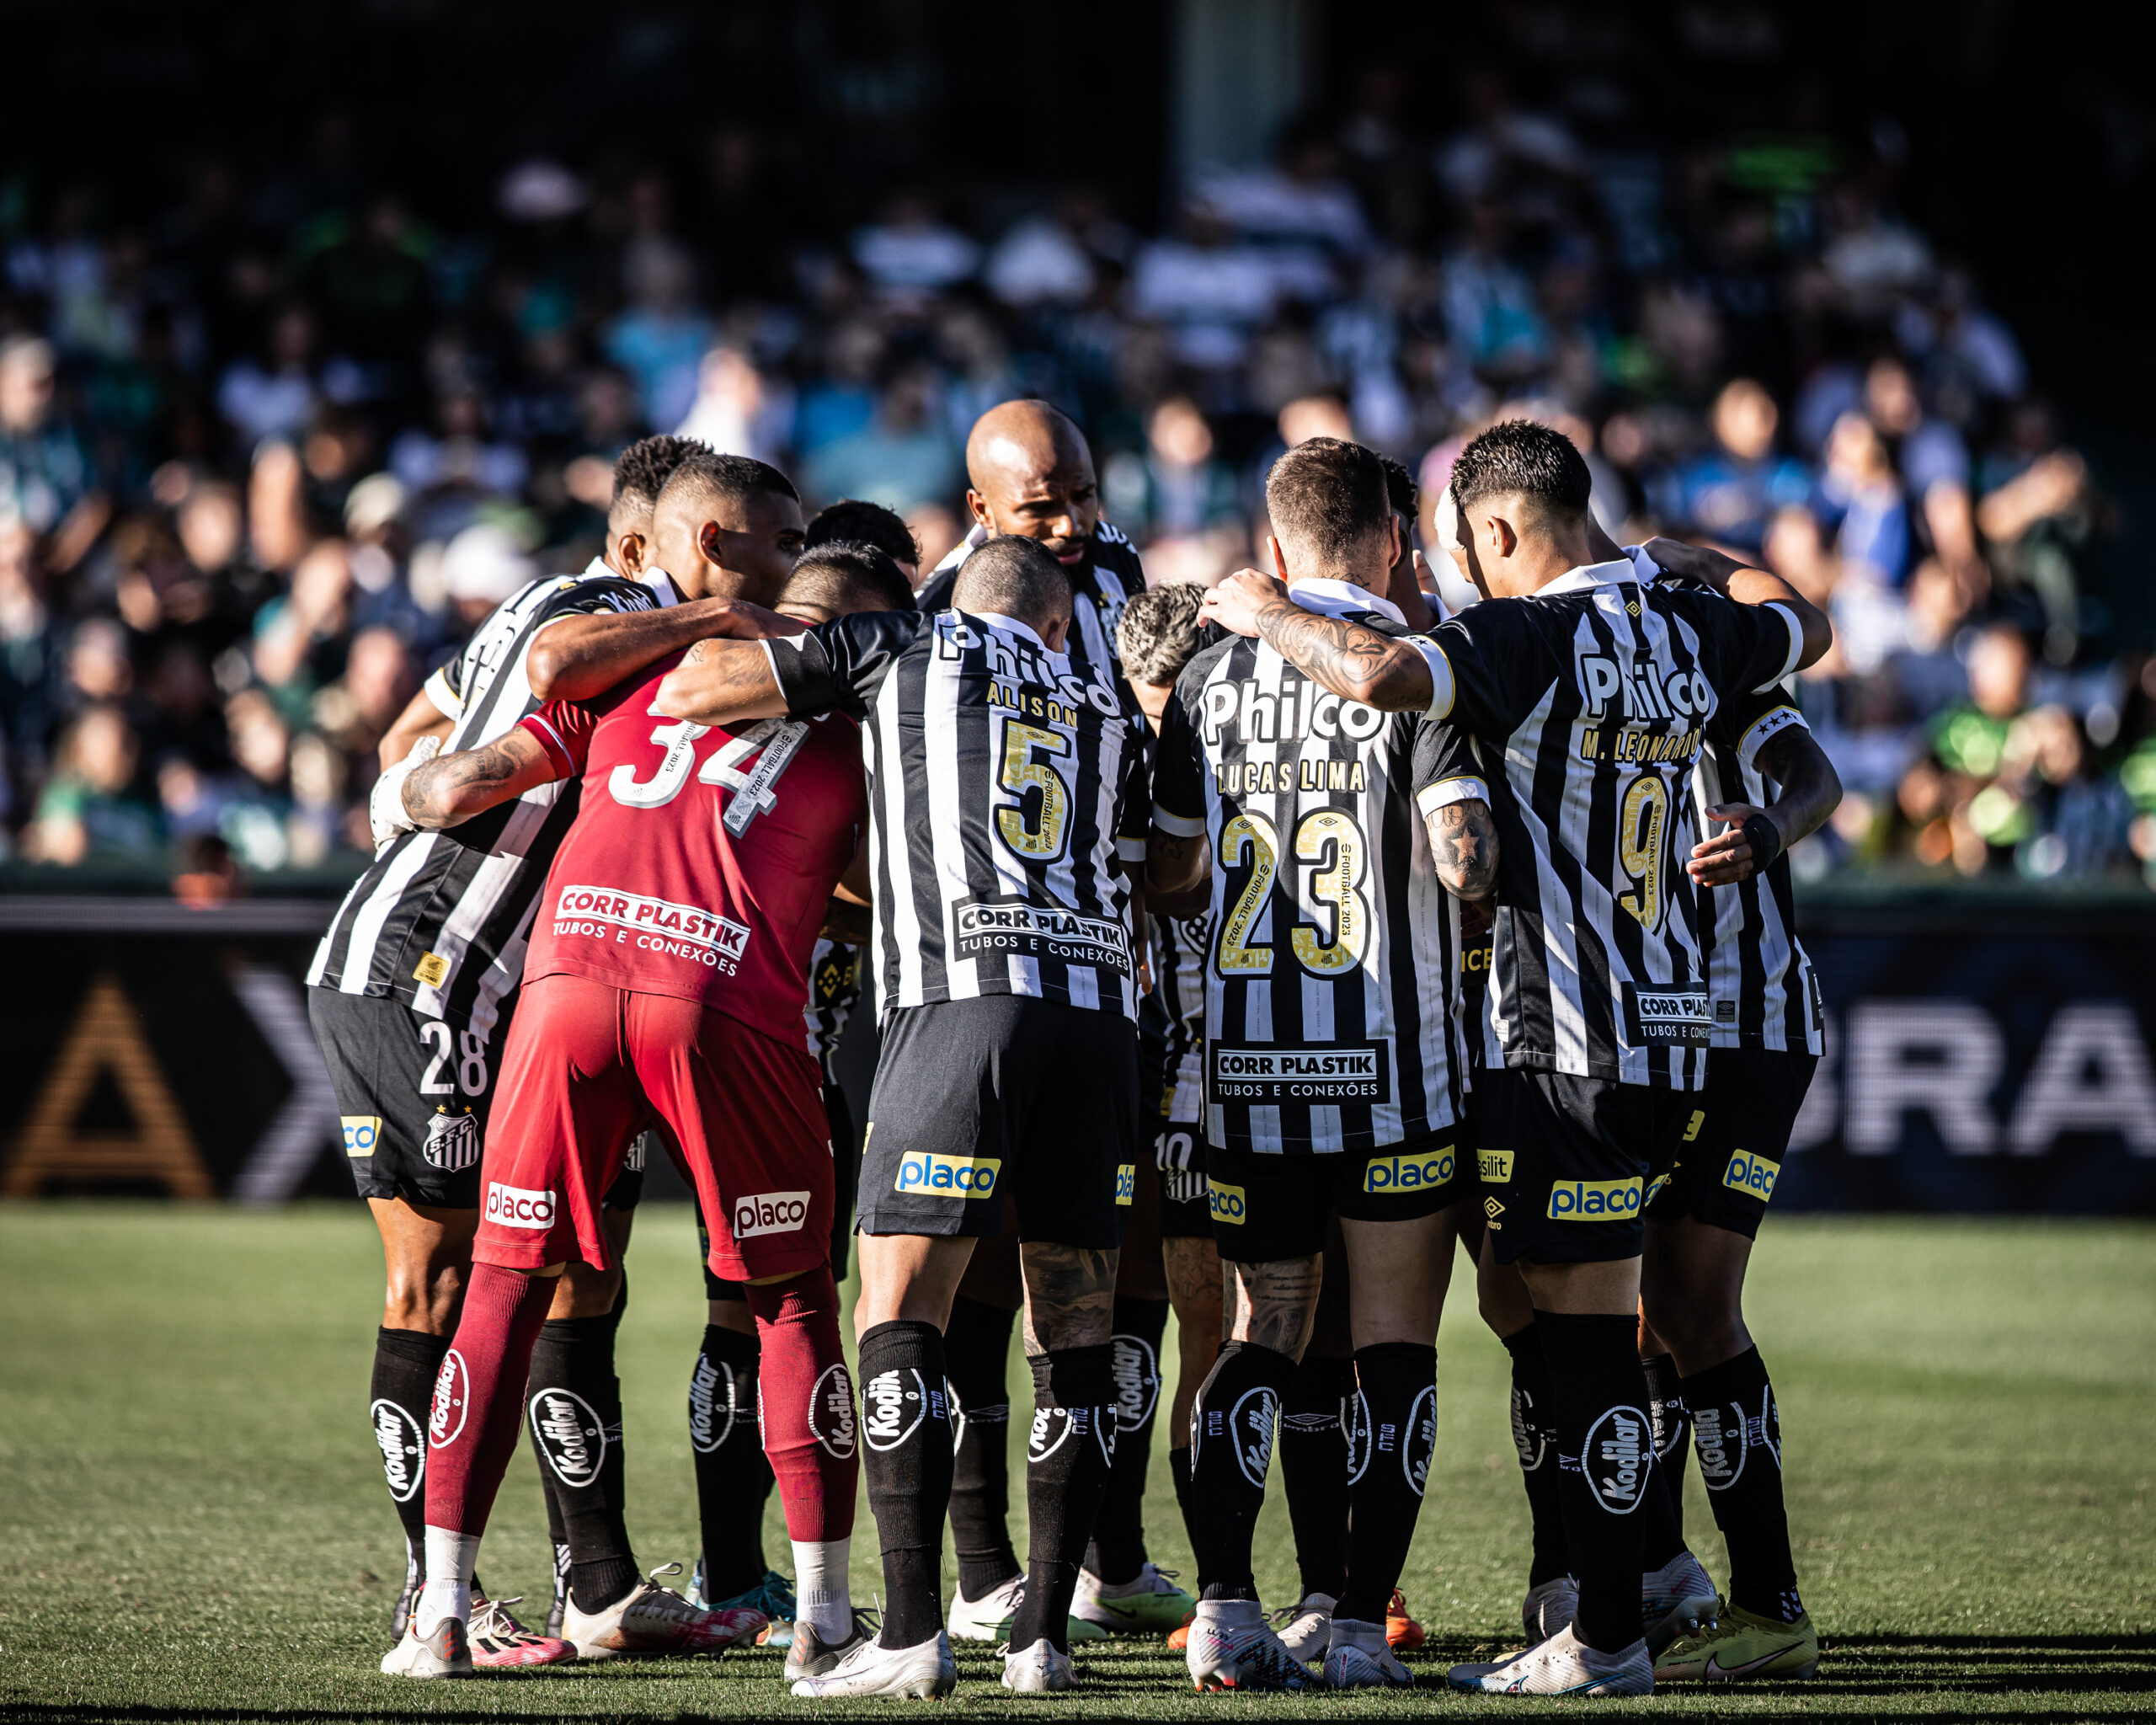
x=1152 y=1604
x=987 y=1618
x=650 y=1618
x=1548 y=1608
x=1305 y=1627
x=1038 y=1670
x=1676 y=1600
x=925 y=1673
x=1359 y=1657
x=808 y=1654
x=447 y=1653
x=1232 y=1646
x=1564 y=1664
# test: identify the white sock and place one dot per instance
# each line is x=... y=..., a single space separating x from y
x=1236 y=1613
x=450 y=1559
x=823 y=1596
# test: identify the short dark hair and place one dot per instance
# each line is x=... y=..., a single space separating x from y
x=1160 y=633
x=859 y=522
x=1327 y=493
x=1014 y=577
x=1401 y=490
x=642 y=470
x=731 y=478
x=1519 y=457
x=842 y=575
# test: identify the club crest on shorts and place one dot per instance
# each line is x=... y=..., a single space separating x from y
x=1616 y=1459
x=452 y=1142
x=830 y=1411
x=1250 y=1430
x=1418 y=1443
x=403 y=1449
x=1137 y=1370
x=712 y=1404
x=568 y=1432
x=452 y=1399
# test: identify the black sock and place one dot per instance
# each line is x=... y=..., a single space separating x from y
x=1179 y=1472
x=1117 y=1551
x=977 y=1356
x=573 y=1408
x=1606 y=1461
x=1535 y=1435
x=1737 y=1429
x=1397 y=1383
x=1314 y=1418
x=1231 y=1451
x=906 y=1426
x=733 y=1478
x=406 y=1364
x=1068 y=1456
x=1673 y=1429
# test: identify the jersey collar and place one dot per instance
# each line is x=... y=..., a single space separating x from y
x=660 y=583
x=1590 y=575
x=1331 y=598
x=1011 y=625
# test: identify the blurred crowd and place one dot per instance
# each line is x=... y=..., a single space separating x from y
x=267 y=458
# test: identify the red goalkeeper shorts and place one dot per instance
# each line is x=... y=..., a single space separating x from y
x=590 y=1066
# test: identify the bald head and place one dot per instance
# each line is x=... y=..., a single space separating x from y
x=1031 y=475
x=1016 y=578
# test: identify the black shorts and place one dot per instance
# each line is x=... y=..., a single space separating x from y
x=846 y=1152
x=1565 y=1166
x=1184 y=1212
x=1003 y=1096
x=1734 y=1137
x=414 y=1093
x=1267 y=1206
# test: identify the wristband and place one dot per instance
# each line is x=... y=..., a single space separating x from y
x=1766 y=839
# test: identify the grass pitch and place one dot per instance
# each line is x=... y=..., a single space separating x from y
x=192 y=1526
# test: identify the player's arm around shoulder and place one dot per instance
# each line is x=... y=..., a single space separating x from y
x=451 y=789
x=1810 y=791
x=581 y=654
x=1747 y=585
x=1393 y=674
x=727 y=674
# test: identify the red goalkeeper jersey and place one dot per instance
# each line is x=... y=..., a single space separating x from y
x=702 y=858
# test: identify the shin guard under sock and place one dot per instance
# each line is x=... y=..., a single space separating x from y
x=406 y=1364
x=1117 y=1552
x=479 y=1398
x=1314 y=1421
x=1606 y=1462
x=1231 y=1451
x=1535 y=1436
x=1673 y=1430
x=906 y=1426
x=976 y=1354
x=1395 y=1435
x=732 y=1477
x=1737 y=1429
x=1069 y=1454
x=808 y=1405
x=574 y=1403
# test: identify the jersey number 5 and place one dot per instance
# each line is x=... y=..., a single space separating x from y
x=1036 y=831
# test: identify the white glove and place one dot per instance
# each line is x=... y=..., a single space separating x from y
x=386 y=804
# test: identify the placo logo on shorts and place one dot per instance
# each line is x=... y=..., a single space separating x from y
x=568 y=1432
x=1408 y=1173
x=892 y=1403
x=1493 y=1168
x=362 y=1132
x=452 y=1399
x=1224 y=1201
x=1616 y=1459
x=964 y=1177
x=403 y=1449
x=830 y=1411
x=515 y=1207
x=1126 y=1181
x=770 y=1213
x=452 y=1141
x=1595 y=1200
x=1753 y=1174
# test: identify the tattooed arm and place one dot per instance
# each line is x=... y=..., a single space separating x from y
x=724 y=682
x=580 y=656
x=451 y=788
x=1069 y=1296
x=1810 y=790
x=1354 y=663
x=1464 y=843
x=1174 y=867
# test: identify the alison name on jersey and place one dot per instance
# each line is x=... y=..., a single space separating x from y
x=652 y=925
x=1007 y=926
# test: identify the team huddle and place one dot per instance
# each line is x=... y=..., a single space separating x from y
x=1241 y=953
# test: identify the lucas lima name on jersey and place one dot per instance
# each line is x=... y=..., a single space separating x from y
x=701 y=858
x=1331 y=1002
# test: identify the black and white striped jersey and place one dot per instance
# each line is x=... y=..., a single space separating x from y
x=440 y=920
x=1760 y=984
x=1100 y=587
x=1007 y=793
x=1181 y=945
x=1588 y=702
x=834 y=991
x=1332 y=1017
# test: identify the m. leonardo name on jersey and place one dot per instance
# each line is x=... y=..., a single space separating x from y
x=659 y=925
x=1336 y=1072
x=1008 y=926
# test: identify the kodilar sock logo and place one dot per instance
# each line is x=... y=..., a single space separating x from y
x=714 y=1400
x=403 y=1449
x=893 y=1405
x=568 y=1432
x=1527 y=1437
x=1718 y=1436
x=830 y=1410
x=1251 y=1424
x=1616 y=1459
x=1137 y=1371
x=1419 y=1440
x=452 y=1399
